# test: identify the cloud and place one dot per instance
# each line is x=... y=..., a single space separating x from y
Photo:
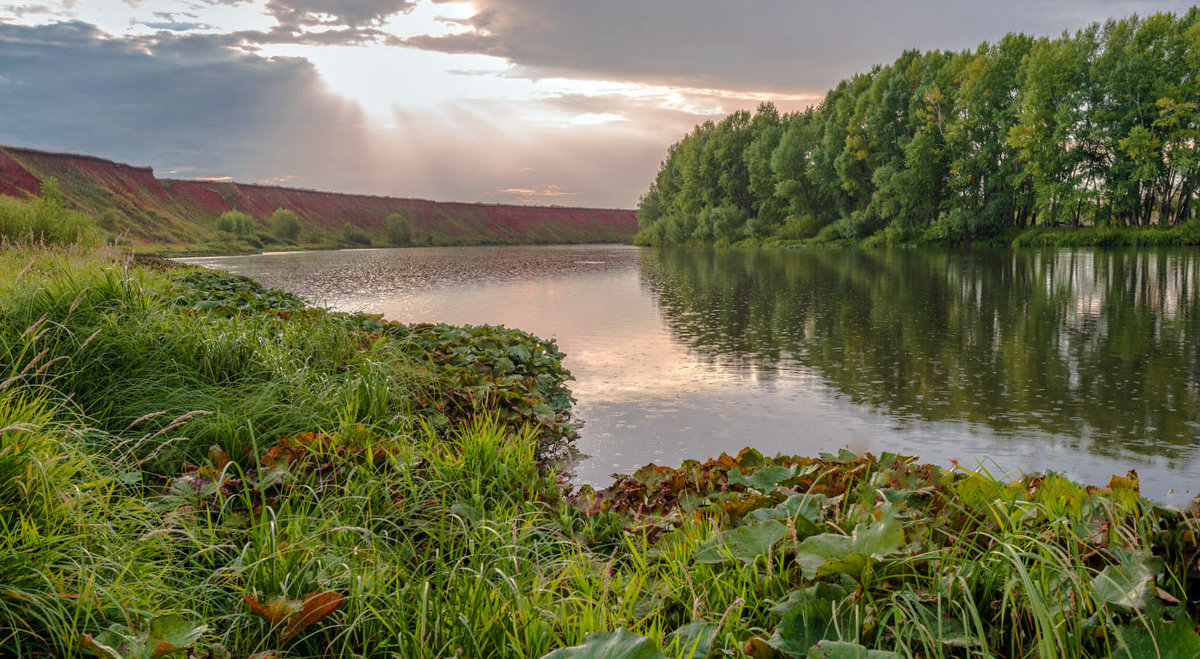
x=327 y=22
x=175 y=26
x=353 y=13
x=26 y=10
x=197 y=104
x=169 y=100
x=765 y=45
x=547 y=194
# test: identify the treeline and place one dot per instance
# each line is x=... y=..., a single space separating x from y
x=1097 y=128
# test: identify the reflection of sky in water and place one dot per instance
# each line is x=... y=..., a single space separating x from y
x=647 y=397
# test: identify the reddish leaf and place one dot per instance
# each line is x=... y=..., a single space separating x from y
x=317 y=607
x=295 y=615
x=276 y=609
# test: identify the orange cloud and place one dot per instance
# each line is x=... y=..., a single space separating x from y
x=534 y=195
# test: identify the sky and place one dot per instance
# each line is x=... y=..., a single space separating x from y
x=567 y=102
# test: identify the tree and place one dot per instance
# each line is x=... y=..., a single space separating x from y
x=1100 y=125
x=399 y=231
x=285 y=224
x=235 y=222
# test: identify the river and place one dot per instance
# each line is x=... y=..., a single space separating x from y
x=1085 y=362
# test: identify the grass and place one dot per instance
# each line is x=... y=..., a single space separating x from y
x=1182 y=234
x=192 y=464
x=45 y=220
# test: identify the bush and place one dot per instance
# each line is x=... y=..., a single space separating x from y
x=399 y=231
x=799 y=228
x=235 y=222
x=355 y=235
x=285 y=224
x=47 y=219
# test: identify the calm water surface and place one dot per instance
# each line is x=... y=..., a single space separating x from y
x=1079 y=361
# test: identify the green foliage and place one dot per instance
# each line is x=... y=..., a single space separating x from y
x=236 y=222
x=619 y=644
x=354 y=235
x=399 y=231
x=165 y=636
x=285 y=224
x=1098 y=128
x=47 y=219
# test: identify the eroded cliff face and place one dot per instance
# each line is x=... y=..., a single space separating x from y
x=154 y=210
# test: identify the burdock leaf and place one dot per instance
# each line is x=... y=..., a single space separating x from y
x=619 y=644
x=316 y=607
x=816 y=550
x=1127 y=585
x=766 y=478
x=276 y=609
x=846 y=650
x=744 y=544
x=166 y=635
x=878 y=539
x=803 y=626
x=807 y=506
x=1162 y=640
x=101 y=645
x=693 y=640
x=172 y=633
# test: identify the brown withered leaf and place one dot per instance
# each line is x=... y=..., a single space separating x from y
x=291 y=616
x=275 y=610
x=316 y=607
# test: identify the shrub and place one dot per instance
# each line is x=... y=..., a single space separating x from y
x=285 y=224
x=235 y=222
x=399 y=231
x=798 y=228
x=355 y=235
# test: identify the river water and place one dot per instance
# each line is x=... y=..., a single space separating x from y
x=1084 y=362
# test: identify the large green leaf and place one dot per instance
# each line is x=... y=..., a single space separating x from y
x=808 y=622
x=166 y=635
x=172 y=633
x=619 y=644
x=692 y=641
x=799 y=507
x=1128 y=584
x=815 y=551
x=1161 y=640
x=767 y=478
x=820 y=590
x=744 y=544
x=878 y=539
x=845 y=650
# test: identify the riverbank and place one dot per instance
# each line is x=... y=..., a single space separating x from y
x=1184 y=234
x=130 y=206
x=190 y=459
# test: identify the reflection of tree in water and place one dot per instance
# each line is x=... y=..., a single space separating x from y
x=1102 y=344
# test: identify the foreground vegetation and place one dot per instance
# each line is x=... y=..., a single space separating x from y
x=1097 y=128
x=193 y=465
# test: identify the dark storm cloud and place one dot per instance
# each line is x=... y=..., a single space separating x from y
x=320 y=22
x=353 y=13
x=782 y=45
x=173 y=101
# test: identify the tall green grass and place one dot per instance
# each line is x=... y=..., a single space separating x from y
x=46 y=219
